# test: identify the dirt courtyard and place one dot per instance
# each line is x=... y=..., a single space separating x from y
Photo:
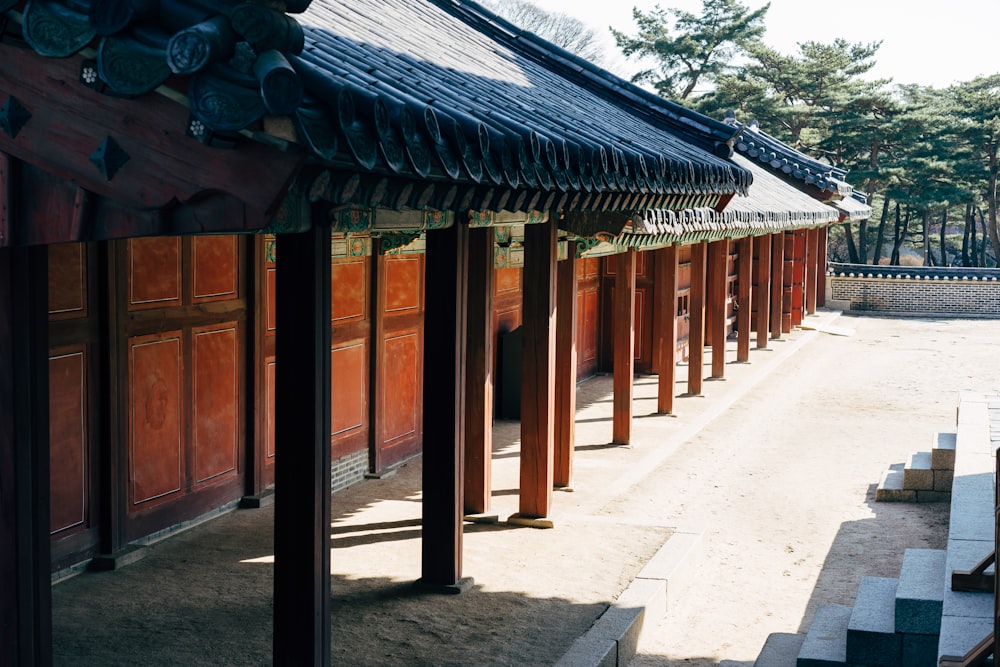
x=775 y=467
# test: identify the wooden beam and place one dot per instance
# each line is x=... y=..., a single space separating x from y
x=302 y=431
x=777 y=282
x=821 y=273
x=164 y=167
x=26 y=604
x=763 y=291
x=538 y=362
x=743 y=298
x=479 y=374
x=444 y=391
x=565 y=425
x=696 y=321
x=623 y=339
x=665 y=292
x=719 y=267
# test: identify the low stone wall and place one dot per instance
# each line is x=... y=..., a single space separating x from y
x=914 y=290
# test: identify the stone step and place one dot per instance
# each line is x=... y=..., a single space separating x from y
x=943 y=451
x=918 y=474
x=890 y=487
x=920 y=594
x=871 y=632
x=780 y=650
x=826 y=643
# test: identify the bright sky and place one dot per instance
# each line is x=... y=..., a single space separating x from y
x=929 y=44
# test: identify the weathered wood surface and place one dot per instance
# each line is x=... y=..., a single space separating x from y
x=566 y=356
x=26 y=603
x=813 y=266
x=623 y=321
x=444 y=411
x=743 y=298
x=665 y=293
x=719 y=266
x=696 y=335
x=763 y=291
x=538 y=370
x=302 y=424
x=164 y=168
x=777 y=283
x=479 y=373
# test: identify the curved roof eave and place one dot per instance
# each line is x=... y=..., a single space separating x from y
x=404 y=97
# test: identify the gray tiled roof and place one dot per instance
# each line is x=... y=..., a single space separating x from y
x=771 y=206
x=438 y=102
x=756 y=144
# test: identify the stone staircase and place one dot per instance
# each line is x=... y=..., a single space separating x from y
x=925 y=478
x=917 y=620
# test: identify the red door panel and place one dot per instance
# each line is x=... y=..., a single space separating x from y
x=399 y=362
x=155 y=437
x=68 y=440
x=216 y=401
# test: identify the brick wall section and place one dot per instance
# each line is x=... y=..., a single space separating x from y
x=348 y=470
x=965 y=296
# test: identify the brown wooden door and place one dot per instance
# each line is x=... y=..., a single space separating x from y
x=643 y=318
x=588 y=276
x=507 y=317
x=75 y=402
x=798 y=276
x=398 y=359
x=265 y=318
x=350 y=343
x=180 y=318
x=683 y=300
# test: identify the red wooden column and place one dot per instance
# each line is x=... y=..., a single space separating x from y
x=821 y=274
x=719 y=267
x=665 y=293
x=26 y=600
x=565 y=425
x=777 y=282
x=812 y=269
x=302 y=430
x=623 y=322
x=538 y=362
x=447 y=266
x=479 y=373
x=696 y=322
x=763 y=291
x=743 y=296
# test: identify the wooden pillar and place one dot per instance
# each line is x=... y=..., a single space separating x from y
x=716 y=303
x=444 y=401
x=777 y=282
x=812 y=269
x=821 y=262
x=538 y=362
x=696 y=322
x=623 y=322
x=743 y=296
x=479 y=374
x=665 y=290
x=565 y=425
x=302 y=431
x=26 y=600
x=763 y=291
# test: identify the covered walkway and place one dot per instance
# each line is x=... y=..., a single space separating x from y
x=786 y=522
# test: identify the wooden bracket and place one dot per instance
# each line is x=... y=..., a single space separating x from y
x=976 y=579
x=976 y=657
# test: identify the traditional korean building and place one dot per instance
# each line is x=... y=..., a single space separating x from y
x=232 y=235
